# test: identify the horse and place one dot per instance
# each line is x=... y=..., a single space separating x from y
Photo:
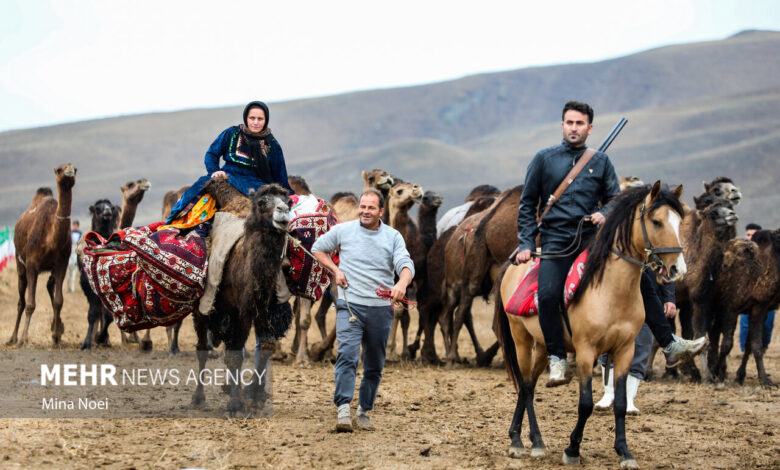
x=604 y=315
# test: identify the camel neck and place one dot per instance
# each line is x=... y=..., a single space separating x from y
x=62 y=214
x=399 y=217
x=128 y=214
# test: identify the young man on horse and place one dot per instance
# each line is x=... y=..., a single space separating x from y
x=576 y=209
x=371 y=252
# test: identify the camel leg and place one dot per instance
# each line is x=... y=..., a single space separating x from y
x=22 y=286
x=256 y=390
x=146 y=343
x=202 y=353
x=461 y=316
x=428 y=350
x=405 y=321
x=719 y=368
x=57 y=299
x=233 y=359
x=756 y=333
x=391 y=355
x=322 y=312
x=302 y=324
x=319 y=350
x=102 y=336
x=32 y=284
x=94 y=316
x=173 y=338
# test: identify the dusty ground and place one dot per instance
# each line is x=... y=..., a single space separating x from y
x=427 y=418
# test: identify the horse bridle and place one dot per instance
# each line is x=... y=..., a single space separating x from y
x=652 y=260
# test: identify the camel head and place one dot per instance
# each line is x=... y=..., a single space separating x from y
x=103 y=212
x=299 y=185
x=483 y=190
x=630 y=182
x=377 y=179
x=270 y=207
x=432 y=199
x=721 y=213
x=723 y=188
x=133 y=191
x=66 y=175
x=404 y=195
x=742 y=256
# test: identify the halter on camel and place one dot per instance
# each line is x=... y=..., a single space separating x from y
x=606 y=282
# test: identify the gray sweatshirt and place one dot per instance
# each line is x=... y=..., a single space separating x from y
x=368 y=258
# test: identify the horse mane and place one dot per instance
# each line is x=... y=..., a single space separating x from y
x=617 y=230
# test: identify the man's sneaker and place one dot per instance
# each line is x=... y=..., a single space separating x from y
x=559 y=372
x=680 y=351
x=344 y=423
x=362 y=422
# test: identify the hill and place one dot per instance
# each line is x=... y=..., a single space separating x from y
x=695 y=111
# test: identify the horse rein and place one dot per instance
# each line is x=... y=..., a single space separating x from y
x=652 y=260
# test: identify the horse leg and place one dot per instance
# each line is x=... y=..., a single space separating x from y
x=22 y=288
x=538 y=449
x=622 y=366
x=518 y=356
x=302 y=325
x=32 y=284
x=202 y=353
x=585 y=359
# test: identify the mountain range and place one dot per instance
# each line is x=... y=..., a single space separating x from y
x=695 y=111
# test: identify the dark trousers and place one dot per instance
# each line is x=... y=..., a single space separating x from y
x=552 y=278
x=654 y=309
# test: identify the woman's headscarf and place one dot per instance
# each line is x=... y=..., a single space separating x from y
x=256 y=143
x=261 y=105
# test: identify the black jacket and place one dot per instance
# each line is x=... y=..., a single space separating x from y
x=596 y=183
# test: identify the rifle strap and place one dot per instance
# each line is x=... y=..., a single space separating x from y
x=584 y=159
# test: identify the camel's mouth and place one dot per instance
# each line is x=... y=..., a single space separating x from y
x=731 y=219
x=281 y=218
x=70 y=172
x=145 y=186
x=385 y=183
x=735 y=198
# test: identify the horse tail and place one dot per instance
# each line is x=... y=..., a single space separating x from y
x=505 y=334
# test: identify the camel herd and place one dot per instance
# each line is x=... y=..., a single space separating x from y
x=455 y=262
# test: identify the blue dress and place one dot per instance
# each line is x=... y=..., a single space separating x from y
x=231 y=146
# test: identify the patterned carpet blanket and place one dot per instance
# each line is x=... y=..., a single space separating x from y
x=146 y=278
x=311 y=219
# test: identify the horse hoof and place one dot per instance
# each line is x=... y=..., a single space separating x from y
x=538 y=452
x=629 y=463
x=571 y=460
x=517 y=452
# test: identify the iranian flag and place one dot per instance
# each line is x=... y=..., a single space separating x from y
x=7 y=251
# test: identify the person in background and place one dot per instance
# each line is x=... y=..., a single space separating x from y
x=744 y=321
x=73 y=270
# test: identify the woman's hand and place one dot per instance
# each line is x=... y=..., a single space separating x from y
x=219 y=174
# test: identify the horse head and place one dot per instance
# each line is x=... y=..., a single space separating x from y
x=656 y=232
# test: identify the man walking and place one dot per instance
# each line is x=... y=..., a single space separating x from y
x=371 y=252
x=595 y=185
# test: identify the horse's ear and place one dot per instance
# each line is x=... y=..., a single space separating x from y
x=678 y=191
x=656 y=189
x=365 y=176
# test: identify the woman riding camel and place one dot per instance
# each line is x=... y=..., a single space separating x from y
x=253 y=158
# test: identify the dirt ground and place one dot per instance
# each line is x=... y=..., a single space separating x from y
x=426 y=417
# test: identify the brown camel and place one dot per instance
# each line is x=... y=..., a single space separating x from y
x=42 y=241
x=473 y=258
x=132 y=194
x=630 y=182
x=401 y=199
x=430 y=299
x=170 y=199
x=382 y=181
x=246 y=293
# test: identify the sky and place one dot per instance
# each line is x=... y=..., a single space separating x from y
x=63 y=61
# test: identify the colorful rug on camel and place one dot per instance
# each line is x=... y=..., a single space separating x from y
x=311 y=218
x=145 y=277
x=525 y=300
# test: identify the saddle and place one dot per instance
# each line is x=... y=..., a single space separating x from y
x=524 y=301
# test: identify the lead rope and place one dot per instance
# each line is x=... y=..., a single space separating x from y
x=297 y=243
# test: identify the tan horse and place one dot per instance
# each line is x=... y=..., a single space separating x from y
x=605 y=315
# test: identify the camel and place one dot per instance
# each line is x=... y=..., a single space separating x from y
x=473 y=258
x=132 y=194
x=246 y=293
x=344 y=205
x=630 y=182
x=105 y=217
x=382 y=181
x=43 y=243
x=401 y=199
x=640 y=218
x=454 y=216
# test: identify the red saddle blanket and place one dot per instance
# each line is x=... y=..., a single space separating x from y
x=305 y=276
x=525 y=301
x=146 y=278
